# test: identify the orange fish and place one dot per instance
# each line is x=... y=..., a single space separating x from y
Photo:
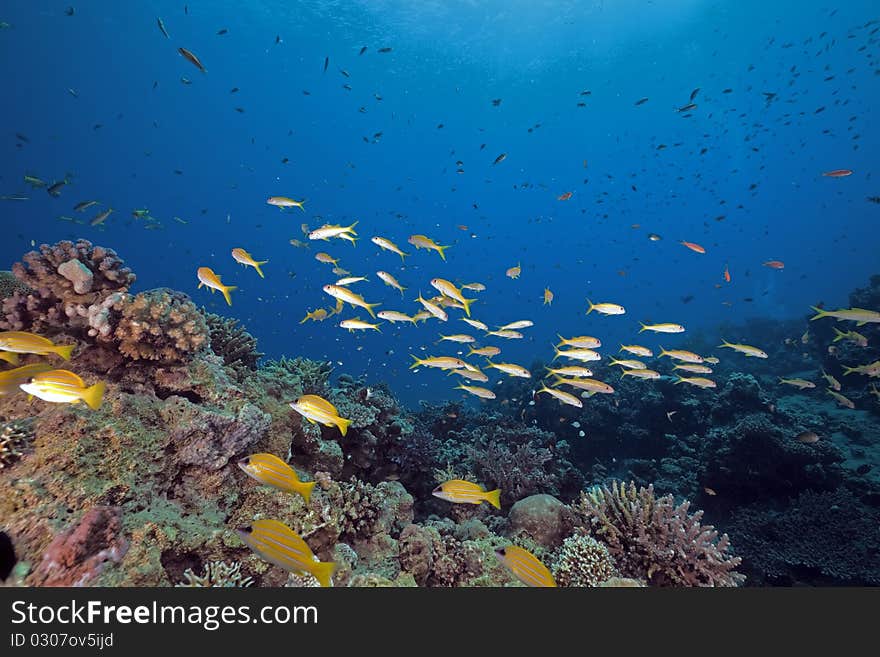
x=775 y=264
x=838 y=173
x=564 y=197
x=192 y=58
x=726 y=274
x=461 y=227
x=694 y=247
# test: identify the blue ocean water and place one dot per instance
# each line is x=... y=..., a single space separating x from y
x=787 y=91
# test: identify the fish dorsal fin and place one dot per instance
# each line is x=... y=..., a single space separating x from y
x=61 y=378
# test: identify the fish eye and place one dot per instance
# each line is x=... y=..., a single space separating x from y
x=501 y=552
x=245 y=530
x=245 y=461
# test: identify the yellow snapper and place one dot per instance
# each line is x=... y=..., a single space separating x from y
x=561 y=395
x=11 y=380
x=681 y=354
x=840 y=399
x=629 y=364
x=422 y=242
x=748 y=350
x=282 y=202
x=476 y=391
x=583 y=355
x=388 y=245
x=209 y=279
x=580 y=342
x=694 y=368
x=433 y=308
x=641 y=374
x=318 y=410
x=832 y=382
x=394 y=316
x=662 y=328
x=858 y=315
x=475 y=323
x=485 y=351
x=64 y=387
x=525 y=566
x=349 y=297
x=357 y=325
x=573 y=370
x=458 y=337
x=511 y=369
x=591 y=386
x=519 y=324
x=508 y=335
x=20 y=342
x=245 y=258
x=801 y=384
x=466 y=492
x=440 y=362
x=637 y=350
x=698 y=381
x=326 y=232
x=606 y=308
x=279 y=544
x=270 y=470
x=389 y=280
x=447 y=289
x=474 y=374
x=872 y=369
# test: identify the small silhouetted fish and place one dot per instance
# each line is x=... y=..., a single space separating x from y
x=234 y=90
x=7 y=556
x=326 y=64
x=384 y=50
x=277 y=39
x=223 y=31
x=496 y=102
x=687 y=299
x=874 y=199
x=285 y=160
x=864 y=469
x=240 y=110
x=727 y=91
x=500 y=158
x=347 y=87
x=20 y=136
x=55 y=189
x=162 y=27
x=363 y=50
x=694 y=93
x=641 y=101
x=687 y=108
x=306 y=92
x=345 y=73
x=70 y=11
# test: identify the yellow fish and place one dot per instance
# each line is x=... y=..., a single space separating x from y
x=580 y=342
x=606 y=308
x=20 y=342
x=548 y=296
x=662 y=328
x=582 y=355
x=525 y=566
x=245 y=258
x=390 y=281
x=440 y=362
x=466 y=492
x=394 y=316
x=561 y=395
x=591 y=386
x=519 y=324
x=485 y=351
x=858 y=315
x=270 y=470
x=11 y=380
x=64 y=387
x=852 y=336
x=422 y=242
x=872 y=369
x=629 y=364
x=388 y=245
x=318 y=410
x=681 y=354
x=474 y=287
x=327 y=231
x=282 y=202
x=349 y=297
x=326 y=258
x=279 y=544
x=574 y=370
x=448 y=289
x=744 y=349
x=832 y=382
x=637 y=350
x=475 y=323
x=840 y=399
x=209 y=279
x=801 y=384
x=511 y=369
x=514 y=272
x=318 y=315
x=641 y=374
x=458 y=337
x=510 y=335
x=693 y=368
x=698 y=381
x=474 y=374
x=357 y=325
x=476 y=391
x=433 y=308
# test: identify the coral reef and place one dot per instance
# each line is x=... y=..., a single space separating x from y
x=582 y=561
x=9 y=285
x=217 y=574
x=652 y=539
x=542 y=519
x=15 y=437
x=233 y=344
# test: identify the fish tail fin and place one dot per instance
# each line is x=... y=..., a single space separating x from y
x=323 y=571
x=467 y=306
x=64 y=351
x=561 y=340
x=662 y=353
x=557 y=355
x=724 y=343
x=819 y=313
x=592 y=305
x=343 y=425
x=418 y=362
x=93 y=395
x=300 y=206
x=680 y=380
x=370 y=310
x=441 y=250
x=403 y=256
x=644 y=327
x=306 y=490
x=10 y=357
x=226 y=290
x=351 y=228
x=493 y=497
x=257 y=267
x=848 y=370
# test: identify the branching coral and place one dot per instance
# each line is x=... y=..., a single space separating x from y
x=217 y=574
x=161 y=325
x=232 y=343
x=309 y=376
x=15 y=436
x=9 y=285
x=582 y=561
x=652 y=539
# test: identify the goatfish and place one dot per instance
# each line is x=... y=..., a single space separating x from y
x=433 y=308
x=349 y=297
x=474 y=287
x=858 y=315
x=475 y=323
x=318 y=410
x=245 y=258
x=592 y=386
x=270 y=470
x=852 y=336
x=800 y=384
x=511 y=369
x=580 y=342
x=64 y=387
x=326 y=258
x=394 y=316
x=349 y=280
x=629 y=364
x=662 y=328
x=209 y=279
x=519 y=324
x=508 y=335
x=698 y=381
x=474 y=374
x=840 y=399
x=574 y=370
x=525 y=566
x=561 y=395
x=457 y=337
x=637 y=350
x=873 y=369
x=101 y=217
x=189 y=56
x=460 y=491
x=641 y=374
x=485 y=351
x=282 y=202
x=11 y=380
x=712 y=360
x=606 y=308
x=447 y=289
x=694 y=368
x=440 y=362
x=280 y=545
x=388 y=245
x=682 y=355
x=82 y=206
x=748 y=350
x=20 y=342
x=422 y=242
x=357 y=325
x=583 y=355
x=476 y=391
x=832 y=382
x=327 y=232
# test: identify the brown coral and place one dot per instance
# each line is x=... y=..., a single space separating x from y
x=160 y=324
x=582 y=561
x=233 y=343
x=653 y=540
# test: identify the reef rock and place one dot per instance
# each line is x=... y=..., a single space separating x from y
x=543 y=518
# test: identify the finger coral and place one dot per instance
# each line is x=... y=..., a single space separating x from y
x=217 y=574
x=582 y=561
x=653 y=540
